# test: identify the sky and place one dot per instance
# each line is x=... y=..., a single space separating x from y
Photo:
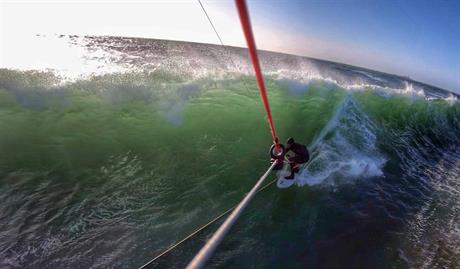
x=419 y=39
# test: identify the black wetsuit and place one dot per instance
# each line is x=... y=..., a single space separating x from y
x=301 y=153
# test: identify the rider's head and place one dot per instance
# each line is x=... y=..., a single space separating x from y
x=290 y=141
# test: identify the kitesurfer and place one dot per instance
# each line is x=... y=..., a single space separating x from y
x=301 y=156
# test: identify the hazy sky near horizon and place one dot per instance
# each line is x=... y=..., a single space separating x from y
x=419 y=39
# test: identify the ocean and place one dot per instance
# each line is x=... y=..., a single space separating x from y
x=108 y=163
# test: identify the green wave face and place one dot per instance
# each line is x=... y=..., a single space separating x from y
x=166 y=122
x=147 y=157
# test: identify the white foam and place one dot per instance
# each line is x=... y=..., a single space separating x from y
x=353 y=168
x=451 y=99
x=350 y=153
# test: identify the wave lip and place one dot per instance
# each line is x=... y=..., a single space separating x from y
x=85 y=56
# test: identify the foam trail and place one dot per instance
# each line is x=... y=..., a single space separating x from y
x=339 y=156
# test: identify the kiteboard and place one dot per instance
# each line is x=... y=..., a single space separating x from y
x=283 y=183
